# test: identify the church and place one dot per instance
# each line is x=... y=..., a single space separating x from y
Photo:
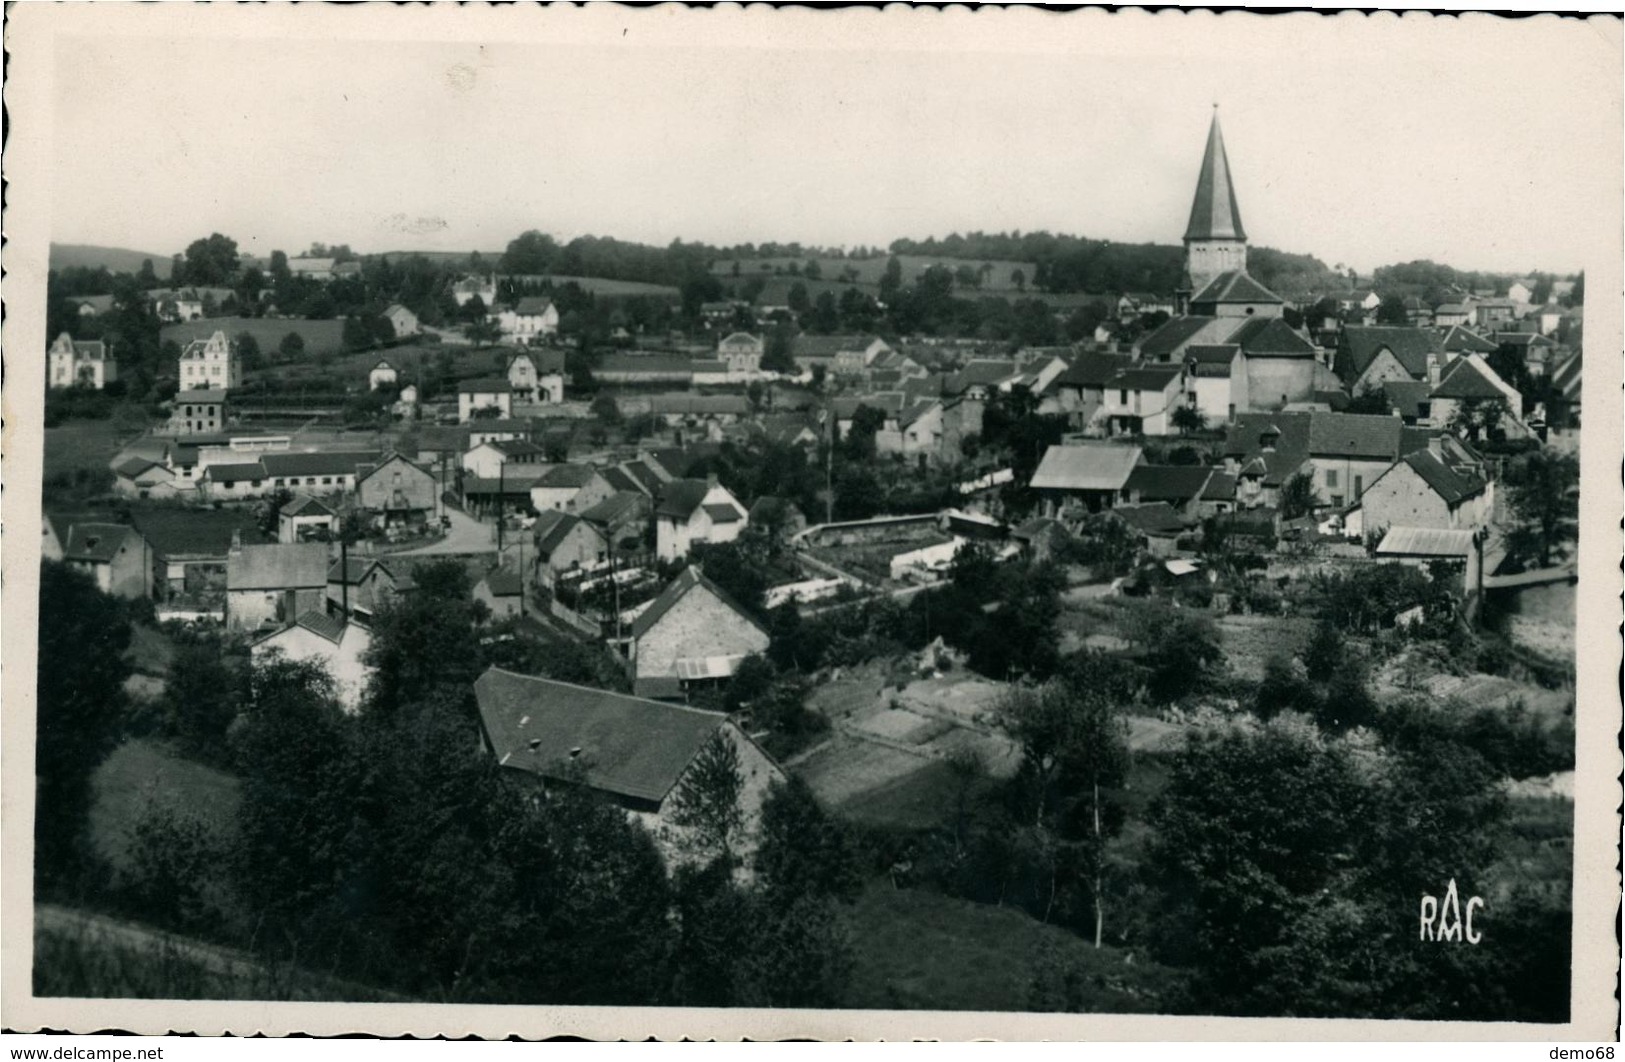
x=1240 y=355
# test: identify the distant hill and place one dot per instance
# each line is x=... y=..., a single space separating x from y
x=115 y=259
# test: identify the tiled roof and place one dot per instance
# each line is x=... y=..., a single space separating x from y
x=1566 y=377
x=805 y=346
x=648 y=480
x=134 y=467
x=322 y=625
x=533 y=304
x=846 y=407
x=318 y=462
x=1361 y=344
x=622 y=745
x=645 y=364
x=1234 y=286
x=200 y=396
x=503 y=582
x=618 y=478
x=614 y=507
x=1243 y=442
x=1446 y=482
x=95 y=542
x=1176 y=330
x=305 y=505
x=515 y=479
x=1271 y=337
x=699 y=405
x=1406 y=396
x=1098 y=466
x=1146 y=377
x=237 y=472
x=981 y=372
x=553 y=527
x=1354 y=435
x=1463 y=379
x=1219 y=354
x=279 y=566
x=1178 y=483
x=686 y=580
x=175 y=533
x=722 y=513
x=567 y=476
x=681 y=497
x=1221 y=486
x=1091 y=370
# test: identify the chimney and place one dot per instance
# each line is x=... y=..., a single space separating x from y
x=710 y=479
x=236 y=541
x=1433 y=369
x=1436 y=446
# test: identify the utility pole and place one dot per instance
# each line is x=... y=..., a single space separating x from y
x=502 y=481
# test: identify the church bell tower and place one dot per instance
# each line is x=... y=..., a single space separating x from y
x=1215 y=242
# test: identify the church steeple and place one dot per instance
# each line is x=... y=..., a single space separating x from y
x=1215 y=242
x=1214 y=213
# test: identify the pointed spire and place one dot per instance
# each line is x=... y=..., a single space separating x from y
x=1214 y=213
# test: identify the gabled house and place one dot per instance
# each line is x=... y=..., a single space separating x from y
x=1155 y=525
x=1451 y=315
x=275 y=584
x=305 y=518
x=537 y=376
x=189 y=548
x=82 y=363
x=487 y=459
x=1468 y=382
x=622 y=519
x=210 y=364
x=570 y=488
x=477 y=399
x=327 y=640
x=1369 y=356
x=503 y=592
x=402 y=320
x=470 y=288
x=1348 y=451
x=1089 y=475
x=1217 y=378
x=981 y=378
x=382 y=375
x=198 y=411
x=1079 y=390
x=1263 y=451
x=530 y=319
x=1422 y=489
x=397 y=490
x=311 y=267
x=695 y=510
x=1180 y=487
x=692 y=636
x=633 y=752
x=114 y=555
x=1141 y=400
x=838 y=355
x=138 y=477
x=741 y=352
x=565 y=542
x=322 y=472
x=358 y=587
x=1533 y=350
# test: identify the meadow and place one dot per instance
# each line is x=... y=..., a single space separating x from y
x=319 y=336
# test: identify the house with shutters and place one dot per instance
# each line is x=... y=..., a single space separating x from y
x=691 y=637
x=397 y=490
x=632 y=752
x=274 y=585
x=1141 y=400
x=1079 y=390
x=695 y=510
x=339 y=647
x=113 y=555
x=80 y=363
x=537 y=376
x=211 y=364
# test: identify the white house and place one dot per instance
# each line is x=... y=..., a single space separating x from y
x=530 y=319
x=537 y=376
x=466 y=289
x=81 y=364
x=382 y=375
x=330 y=641
x=211 y=363
x=475 y=396
x=695 y=510
x=741 y=352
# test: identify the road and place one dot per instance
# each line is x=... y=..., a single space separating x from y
x=467 y=535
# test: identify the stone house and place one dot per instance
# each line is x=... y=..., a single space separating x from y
x=503 y=592
x=693 y=636
x=328 y=640
x=1348 y=451
x=1090 y=476
x=1180 y=487
x=321 y=472
x=1217 y=380
x=566 y=542
x=399 y=490
x=1423 y=489
x=631 y=751
x=84 y=363
x=357 y=587
x=622 y=519
x=537 y=376
x=274 y=584
x=403 y=320
x=189 y=548
x=695 y=510
x=138 y=477
x=114 y=555
x=199 y=411
x=467 y=289
x=1141 y=400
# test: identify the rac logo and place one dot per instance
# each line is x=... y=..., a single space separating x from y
x=1446 y=920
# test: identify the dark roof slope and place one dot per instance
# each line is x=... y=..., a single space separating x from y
x=1157 y=518
x=1093 y=370
x=174 y=533
x=1271 y=337
x=619 y=744
x=1214 y=211
x=1166 y=339
x=679 y=587
x=1234 y=285
x=1445 y=481
x=681 y=497
x=1361 y=344
x=1178 y=483
x=1355 y=435
x=95 y=542
x=318 y=463
x=1465 y=380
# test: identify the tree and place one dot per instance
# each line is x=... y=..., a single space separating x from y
x=80 y=688
x=706 y=800
x=776 y=357
x=200 y=701
x=1543 y=491
x=1189 y=419
x=798 y=299
x=1298 y=497
x=826 y=317
x=891 y=281
x=210 y=261
x=248 y=348
x=804 y=853
x=424 y=640
x=1391 y=311
x=483 y=331
x=291 y=346
x=1478 y=418
x=148 y=277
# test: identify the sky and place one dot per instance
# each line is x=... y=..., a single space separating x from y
x=1471 y=141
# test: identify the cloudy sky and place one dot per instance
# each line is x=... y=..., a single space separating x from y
x=1474 y=141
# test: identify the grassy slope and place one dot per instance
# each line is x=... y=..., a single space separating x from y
x=88 y=444
x=268 y=332
x=141 y=772
x=116 y=259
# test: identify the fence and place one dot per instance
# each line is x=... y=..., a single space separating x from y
x=574 y=620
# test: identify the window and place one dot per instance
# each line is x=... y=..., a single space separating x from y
x=254 y=483
x=327 y=480
x=1331 y=477
x=1122 y=398
x=1359 y=486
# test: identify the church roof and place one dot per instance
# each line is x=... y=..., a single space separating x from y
x=1234 y=286
x=1214 y=213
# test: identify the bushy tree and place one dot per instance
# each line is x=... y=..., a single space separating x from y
x=706 y=800
x=1543 y=492
x=1298 y=497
